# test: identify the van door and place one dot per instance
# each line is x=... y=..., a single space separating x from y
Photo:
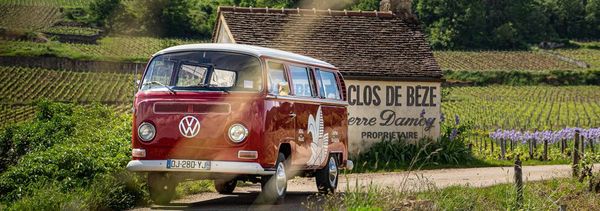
x=279 y=120
x=334 y=112
x=311 y=146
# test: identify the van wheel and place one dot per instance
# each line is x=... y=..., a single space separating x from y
x=327 y=177
x=274 y=186
x=225 y=186
x=161 y=187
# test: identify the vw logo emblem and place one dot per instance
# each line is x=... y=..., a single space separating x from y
x=189 y=126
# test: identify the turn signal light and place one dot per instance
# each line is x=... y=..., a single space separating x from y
x=243 y=154
x=138 y=153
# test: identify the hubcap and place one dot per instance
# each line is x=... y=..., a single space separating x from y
x=333 y=171
x=280 y=179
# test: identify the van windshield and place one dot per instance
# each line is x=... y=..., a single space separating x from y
x=203 y=70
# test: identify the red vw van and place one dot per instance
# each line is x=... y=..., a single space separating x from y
x=231 y=113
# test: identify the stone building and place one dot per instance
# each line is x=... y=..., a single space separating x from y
x=393 y=81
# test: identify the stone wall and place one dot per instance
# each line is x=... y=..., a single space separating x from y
x=72 y=64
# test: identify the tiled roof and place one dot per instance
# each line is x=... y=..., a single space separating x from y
x=361 y=44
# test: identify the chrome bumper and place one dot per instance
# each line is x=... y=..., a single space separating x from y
x=226 y=167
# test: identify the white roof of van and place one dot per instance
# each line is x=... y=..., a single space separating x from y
x=248 y=49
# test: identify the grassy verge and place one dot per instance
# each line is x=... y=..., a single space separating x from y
x=542 y=195
x=473 y=163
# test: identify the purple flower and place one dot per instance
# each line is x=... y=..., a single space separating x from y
x=442 y=117
x=456 y=119
x=453 y=134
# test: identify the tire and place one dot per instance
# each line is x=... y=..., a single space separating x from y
x=161 y=188
x=274 y=187
x=327 y=177
x=225 y=186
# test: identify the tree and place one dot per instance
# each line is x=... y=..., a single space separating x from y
x=593 y=17
x=100 y=10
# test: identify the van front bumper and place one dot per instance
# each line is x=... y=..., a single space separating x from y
x=225 y=167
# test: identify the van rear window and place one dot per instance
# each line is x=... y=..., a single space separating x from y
x=329 y=86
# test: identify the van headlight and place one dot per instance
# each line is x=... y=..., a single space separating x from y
x=237 y=133
x=146 y=131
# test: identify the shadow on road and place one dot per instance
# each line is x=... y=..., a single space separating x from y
x=240 y=201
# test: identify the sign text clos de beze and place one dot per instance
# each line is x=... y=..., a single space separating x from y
x=381 y=110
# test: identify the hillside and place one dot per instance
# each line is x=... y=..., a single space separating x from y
x=21 y=87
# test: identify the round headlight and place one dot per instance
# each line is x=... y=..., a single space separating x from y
x=237 y=133
x=146 y=131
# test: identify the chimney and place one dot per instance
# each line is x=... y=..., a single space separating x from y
x=399 y=7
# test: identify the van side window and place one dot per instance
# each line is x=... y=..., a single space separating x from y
x=301 y=81
x=278 y=84
x=329 y=85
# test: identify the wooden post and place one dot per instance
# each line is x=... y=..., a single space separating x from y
x=576 y=155
x=492 y=147
x=592 y=145
x=479 y=143
x=519 y=182
x=562 y=146
x=563 y=207
x=512 y=147
x=503 y=149
x=582 y=147
x=484 y=144
x=545 y=157
x=530 y=149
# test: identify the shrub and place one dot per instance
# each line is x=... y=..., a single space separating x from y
x=450 y=148
x=69 y=157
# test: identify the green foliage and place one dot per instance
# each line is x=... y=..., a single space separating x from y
x=520 y=77
x=451 y=148
x=509 y=24
x=188 y=18
x=52 y=124
x=366 y=5
x=100 y=10
x=540 y=195
x=72 y=30
x=79 y=165
x=524 y=107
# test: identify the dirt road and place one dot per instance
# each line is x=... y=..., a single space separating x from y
x=301 y=188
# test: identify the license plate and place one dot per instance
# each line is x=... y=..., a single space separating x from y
x=188 y=164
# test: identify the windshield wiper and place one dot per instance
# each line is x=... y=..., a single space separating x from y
x=160 y=84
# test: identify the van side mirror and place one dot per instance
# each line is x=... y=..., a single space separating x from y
x=283 y=88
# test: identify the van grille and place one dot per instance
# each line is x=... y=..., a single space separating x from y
x=210 y=108
x=197 y=108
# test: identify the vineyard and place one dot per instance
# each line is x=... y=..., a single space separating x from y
x=108 y=48
x=21 y=87
x=525 y=107
x=590 y=56
x=47 y=3
x=28 y=17
x=85 y=31
x=537 y=122
x=499 y=60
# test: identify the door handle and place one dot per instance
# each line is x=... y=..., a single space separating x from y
x=293 y=115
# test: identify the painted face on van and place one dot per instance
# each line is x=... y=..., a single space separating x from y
x=236 y=112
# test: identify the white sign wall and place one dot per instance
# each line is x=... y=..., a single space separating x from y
x=391 y=110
